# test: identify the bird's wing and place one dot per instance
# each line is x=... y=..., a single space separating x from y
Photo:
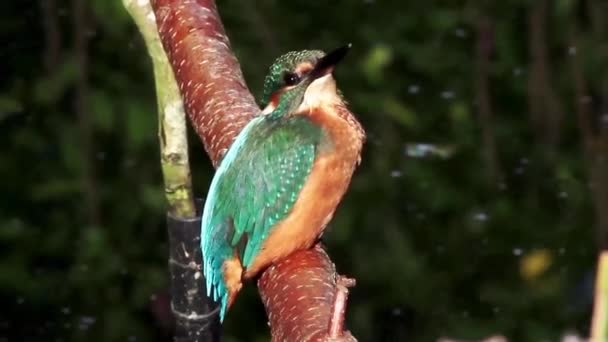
x=254 y=188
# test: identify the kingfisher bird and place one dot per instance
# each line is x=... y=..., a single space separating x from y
x=281 y=180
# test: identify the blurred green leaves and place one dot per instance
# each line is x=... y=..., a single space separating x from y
x=375 y=63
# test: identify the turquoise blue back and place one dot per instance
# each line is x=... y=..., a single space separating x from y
x=254 y=188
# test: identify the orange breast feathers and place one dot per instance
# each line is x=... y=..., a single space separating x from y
x=329 y=178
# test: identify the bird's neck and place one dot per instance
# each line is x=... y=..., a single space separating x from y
x=322 y=92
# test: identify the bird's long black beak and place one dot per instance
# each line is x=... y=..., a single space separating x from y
x=327 y=64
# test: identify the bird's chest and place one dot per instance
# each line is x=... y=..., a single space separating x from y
x=336 y=158
x=338 y=155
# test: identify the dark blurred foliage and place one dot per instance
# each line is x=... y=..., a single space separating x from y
x=496 y=235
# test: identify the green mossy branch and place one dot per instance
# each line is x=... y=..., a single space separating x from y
x=599 y=322
x=171 y=116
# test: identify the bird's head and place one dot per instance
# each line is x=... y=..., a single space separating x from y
x=299 y=80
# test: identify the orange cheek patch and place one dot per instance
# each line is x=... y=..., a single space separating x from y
x=303 y=68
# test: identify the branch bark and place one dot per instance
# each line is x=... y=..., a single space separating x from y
x=219 y=105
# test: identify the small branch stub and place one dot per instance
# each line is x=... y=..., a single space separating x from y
x=336 y=323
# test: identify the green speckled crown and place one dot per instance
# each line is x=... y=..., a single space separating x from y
x=286 y=63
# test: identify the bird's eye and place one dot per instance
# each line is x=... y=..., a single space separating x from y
x=291 y=78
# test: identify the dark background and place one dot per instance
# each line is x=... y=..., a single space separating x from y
x=495 y=234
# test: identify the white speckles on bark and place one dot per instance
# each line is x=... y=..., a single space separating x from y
x=200 y=38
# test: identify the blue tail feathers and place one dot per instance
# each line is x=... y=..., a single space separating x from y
x=215 y=251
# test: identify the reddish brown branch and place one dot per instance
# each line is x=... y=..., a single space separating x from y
x=299 y=292
x=215 y=95
x=300 y=296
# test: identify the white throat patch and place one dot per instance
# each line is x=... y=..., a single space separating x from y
x=321 y=91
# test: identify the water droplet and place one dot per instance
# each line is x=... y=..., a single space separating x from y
x=129 y=163
x=604 y=119
x=460 y=33
x=563 y=194
x=101 y=155
x=572 y=50
x=65 y=310
x=424 y=150
x=518 y=251
x=480 y=216
x=413 y=89
x=86 y=322
x=396 y=173
x=518 y=71
x=20 y=300
x=561 y=251
x=447 y=94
